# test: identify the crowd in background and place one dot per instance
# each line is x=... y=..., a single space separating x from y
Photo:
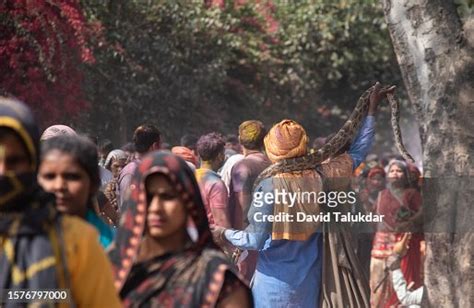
x=174 y=224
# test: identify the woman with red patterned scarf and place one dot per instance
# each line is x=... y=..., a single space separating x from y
x=401 y=205
x=156 y=261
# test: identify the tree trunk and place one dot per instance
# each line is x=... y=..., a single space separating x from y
x=435 y=51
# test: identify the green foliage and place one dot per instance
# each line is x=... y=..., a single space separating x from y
x=465 y=8
x=334 y=50
x=329 y=41
x=190 y=67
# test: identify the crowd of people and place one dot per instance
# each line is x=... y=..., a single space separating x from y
x=146 y=225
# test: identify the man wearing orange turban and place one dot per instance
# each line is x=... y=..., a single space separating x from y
x=286 y=139
x=297 y=264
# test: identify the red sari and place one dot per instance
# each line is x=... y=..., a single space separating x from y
x=392 y=206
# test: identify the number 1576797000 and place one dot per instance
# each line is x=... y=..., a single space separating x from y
x=34 y=295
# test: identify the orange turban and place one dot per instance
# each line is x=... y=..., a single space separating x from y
x=286 y=139
x=185 y=153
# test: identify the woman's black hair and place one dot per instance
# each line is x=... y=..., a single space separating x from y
x=402 y=165
x=81 y=149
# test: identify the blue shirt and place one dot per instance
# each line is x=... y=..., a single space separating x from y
x=362 y=143
x=106 y=233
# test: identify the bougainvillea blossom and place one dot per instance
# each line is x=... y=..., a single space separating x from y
x=42 y=47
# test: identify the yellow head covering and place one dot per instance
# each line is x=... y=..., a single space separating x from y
x=286 y=139
x=251 y=133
